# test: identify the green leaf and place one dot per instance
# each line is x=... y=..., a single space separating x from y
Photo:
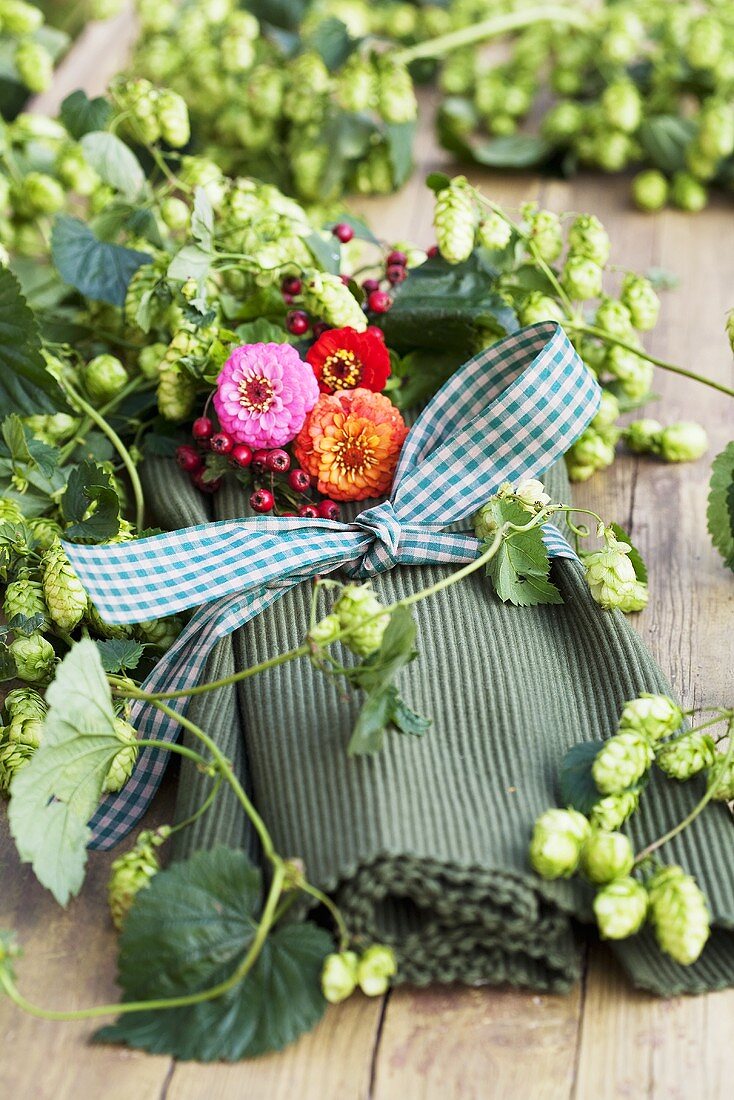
x=332 y=42
x=119 y=654
x=80 y=114
x=95 y=268
x=634 y=555
x=360 y=228
x=375 y=676
x=202 y=220
x=400 y=137
x=520 y=568
x=372 y=721
x=511 y=151
x=422 y=373
x=114 y=162
x=26 y=387
x=261 y=331
x=56 y=793
x=720 y=513
x=23 y=624
x=438 y=308
x=90 y=504
x=662 y=279
x=437 y=181
x=187 y=932
x=26 y=451
x=406 y=720
x=325 y=251
x=665 y=139
x=577 y=787
x=191 y=262
x=8 y=671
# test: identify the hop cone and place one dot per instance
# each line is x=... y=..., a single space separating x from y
x=325 y=630
x=622 y=761
x=34 y=658
x=173 y=118
x=13 y=756
x=556 y=844
x=375 y=969
x=455 y=219
x=176 y=394
x=620 y=908
x=539 y=307
x=358 y=610
x=34 y=64
x=25 y=731
x=396 y=101
x=679 y=913
x=581 y=277
x=655 y=716
x=65 y=596
x=684 y=442
x=635 y=598
x=25 y=597
x=614 y=317
x=25 y=703
x=9 y=511
x=357 y=84
x=131 y=872
x=610 y=573
x=325 y=296
x=641 y=300
x=122 y=766
x=588 y=237
x=102 y=629
x=161 y=633
x=606 y=856
x=546 y=233
x=45 y=531
x=613 y=810
x=339 y=976
x=686 y=756
x=724 y=780
x=643 y=436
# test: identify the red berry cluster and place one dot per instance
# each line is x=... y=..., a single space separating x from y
x=396 y=270
x=260 y=463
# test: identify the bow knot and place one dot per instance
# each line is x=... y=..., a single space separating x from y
x=383 y=553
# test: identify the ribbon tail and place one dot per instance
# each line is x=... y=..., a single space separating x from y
x=179 y=669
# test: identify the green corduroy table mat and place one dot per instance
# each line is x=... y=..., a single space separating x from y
x=425 y=844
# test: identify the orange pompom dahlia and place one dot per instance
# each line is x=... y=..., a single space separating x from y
x=350 y=444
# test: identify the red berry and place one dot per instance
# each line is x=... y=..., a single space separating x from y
x=206 y=486
x=202 y=429
x=262 y=500
x=328 y=509
x=221 y=443
x=241 y=455
x=320 y=328
x=291 y=285
x=260 y=461
x=368 y=285
x=299 y=480
x=396 y=257
x=379 y=301
x=343 y=232
x=432 y=251
x=188 y=459
x=278 y=461
x=287 y=515
x=308 y=511
x=396 y=273
x=297 y=322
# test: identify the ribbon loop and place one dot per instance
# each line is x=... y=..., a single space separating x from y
x=383 y=553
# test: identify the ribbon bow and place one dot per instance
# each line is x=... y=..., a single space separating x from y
x=509 y=413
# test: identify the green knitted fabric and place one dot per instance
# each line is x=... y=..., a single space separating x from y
x=425 y=844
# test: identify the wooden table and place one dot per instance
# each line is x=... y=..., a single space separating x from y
x=604 y=1040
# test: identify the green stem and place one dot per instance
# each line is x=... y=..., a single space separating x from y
x=201 y=689
x=334 y=910
x=180 y=750
x=119 y=446
x=697 y=809
x=592 y=330
x=208 y=801
x=489 y=28
x=263 y=928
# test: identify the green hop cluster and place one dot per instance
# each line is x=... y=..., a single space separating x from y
x=620 y=908
x=611 y=811
x=686 y=756
x=156 y=114
x=359 y=614
x=104 y=377
x=455 y=220
x=539 y=307
x=25 y=597
x=611 y=575
x=683 y=442
x=722 y=778
x=123 y=763
x=494 y=231
x=606 y=856
x=639 y=296
x=326 y=630
x=679 y=914
x=592 y=451
x=581 y=277
x=25 y=710
x=588 y=237
x=557 y=843
x=622 y=761
x=325 y=296
x=131 y=872
x=34 y=657
x=654 y=716
x=342 y=972
x=544 y=232
x=66 y=598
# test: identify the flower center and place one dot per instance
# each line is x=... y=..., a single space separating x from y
x=256 y=393
x=342 y=370
x=353 y=454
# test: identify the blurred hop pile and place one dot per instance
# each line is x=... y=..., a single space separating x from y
x=317 y=108
x=648 y=84
x=28 y=49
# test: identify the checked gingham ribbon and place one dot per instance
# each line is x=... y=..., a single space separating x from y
x=507 y=414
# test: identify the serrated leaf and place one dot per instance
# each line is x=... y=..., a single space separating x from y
x=665 y=139
x=26 y=451
x=114 y=162
x=26 y=387
x=406 y=720
x=520 y=568
x=8 y=671
x=119 y=654
x=191 y=262
x=202 y=220
x=373 y=719
x=400 y=136
x=187 y=932
x=55 y=794
x=325 y=250
x=90 y=505
x=422 y=373
x=720 y=512
x=634 y=555
x=437 y=181
x=332 y=42
x=97 y=269
x=27 y=625
x=510 y=151
x=375 y=676
x=577 y=787
x=80 y=114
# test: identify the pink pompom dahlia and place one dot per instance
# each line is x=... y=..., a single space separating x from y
x=264 y=393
